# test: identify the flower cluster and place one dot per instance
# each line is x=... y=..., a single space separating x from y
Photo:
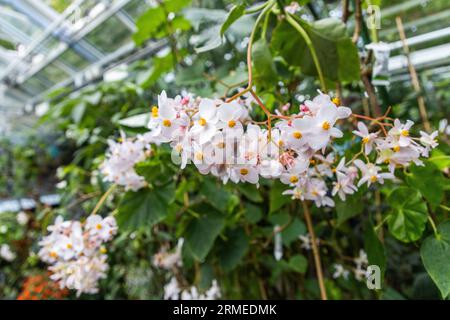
x=172 y=291
x=221 y=139
x=76 y=253
x=118 y=166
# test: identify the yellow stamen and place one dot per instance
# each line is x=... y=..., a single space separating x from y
x=315 y=193
x=231 y=123
x=199 y=156
x=99 y=226
x=405 y=133
x=365 y=140
x=103 y=250
x=333 y=170
x=202 y=122
x=221 y=145
x=312 y=161
x=373 y=178
x=167 y=123
x=244 y=171
x=336 y=101
x=69 y=246
x=326 y=125
x=155 y=112
x=280 y=143
x=53 y=254
x=396 y=148
x=297 y=134
x=387 y=161
x=293 y=179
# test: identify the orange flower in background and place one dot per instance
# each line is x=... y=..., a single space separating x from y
x=40 y=287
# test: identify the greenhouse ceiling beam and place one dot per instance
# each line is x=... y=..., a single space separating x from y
x=39 y=40
x=419 y=22
x=392 y=10
x=126 y=54
x=102 y=17
x=126 y=20
x=433 y=56
x=75 y=39
x=36 y=11
x=442 y=33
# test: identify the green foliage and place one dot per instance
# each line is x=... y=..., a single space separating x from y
x=337 y=54
x=202 y=232
x=408 y=216
x=435 y=253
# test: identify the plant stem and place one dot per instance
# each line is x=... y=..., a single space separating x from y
x=310 y=45
x=103 y=199
x=315 y=249
x=433 y=225
x=269 y=6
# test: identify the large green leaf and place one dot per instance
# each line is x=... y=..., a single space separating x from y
x=264 y=68
x=141 y=209
x=429 y=181
x=435 y=253
x=149 y=24
x=409 y=214
x=376 y=253
x=277 y=199
x=236 y=12
x=215 y=194
x=233 y=249
x=298 y=263
x=202 y=232
x=160 y=66
x=338 y=56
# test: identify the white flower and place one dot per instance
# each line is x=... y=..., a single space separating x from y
x=361 y=260
x=205 y=126
x=340 y=271
x=400 y=132
x=370 y=173
x=22 y=218
x=6 y=253
x=429 y=140
x=167 y=260
x=229 y=115
x=105 y=228
x=367 y=138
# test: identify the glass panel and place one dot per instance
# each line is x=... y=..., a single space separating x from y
x=73 y=59
x=135 y=8
x=35 y=86
x=109 y=36
x=53 y=74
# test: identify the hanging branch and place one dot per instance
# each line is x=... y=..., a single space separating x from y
x=315 y=249
x=414 y=78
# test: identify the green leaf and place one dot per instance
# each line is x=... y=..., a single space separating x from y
x=233 y=249
x=215 y=194
x=152 y=21
x=78 y=112
x=277 y=199
x=250 y=192
x=137 y=121
x=429 y=181
x=141 y=209
x=263 y=66
x=435 y=253
x=375 y=249
x=236 y=12
x=292 y=231
x=338 y=56
x=202 y=232
x=345 y=210
x=252 y=213
x=160 y=65
x=298 y=263
x=408 y=216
